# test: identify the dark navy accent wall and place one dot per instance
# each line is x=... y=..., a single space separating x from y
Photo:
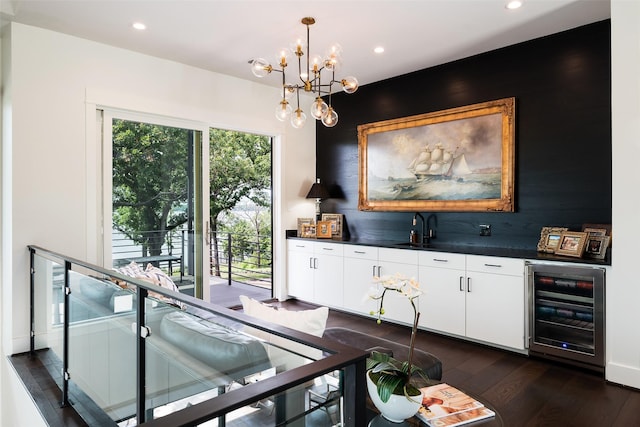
x=562 y=86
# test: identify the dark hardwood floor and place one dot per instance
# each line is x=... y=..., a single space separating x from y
x=525 y=391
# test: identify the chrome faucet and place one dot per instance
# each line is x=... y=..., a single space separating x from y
x=431 y=232
x=422 y=235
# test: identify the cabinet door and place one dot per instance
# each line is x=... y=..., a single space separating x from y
x=328 y=275
x=442 y=305
x=495 y=309
x=300 y=269
x=360 y=266
x=398 y=261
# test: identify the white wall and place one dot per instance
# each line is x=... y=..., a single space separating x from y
x=49 y=153
x=623 y=287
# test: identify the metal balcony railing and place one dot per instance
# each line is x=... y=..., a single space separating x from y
x=125 y=346
x=234 y=257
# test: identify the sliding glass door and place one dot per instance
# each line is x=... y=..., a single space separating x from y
x=153 y=211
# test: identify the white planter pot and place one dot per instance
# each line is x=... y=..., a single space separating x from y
x=398 y=408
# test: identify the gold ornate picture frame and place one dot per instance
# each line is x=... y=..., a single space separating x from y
x=302 y=222
x=549 y=238
x=457 y=160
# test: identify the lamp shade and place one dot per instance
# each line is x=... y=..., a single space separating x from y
x=318 y=191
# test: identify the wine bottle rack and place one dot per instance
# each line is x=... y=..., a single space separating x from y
x=567 y=313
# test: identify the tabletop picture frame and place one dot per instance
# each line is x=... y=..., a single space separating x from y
x=549 y=238
x=596 y=246
x=308 y=231
x=301 y=223
x=323 y=229
x=572 y=243
x=336 y=223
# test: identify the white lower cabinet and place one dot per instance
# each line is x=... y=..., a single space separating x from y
x=315 y=271
x=398 y=261
x=496 y=300
x=478 y=297
x=360 y=267
x=443 y=282
x=300 y=269
x=328 y=280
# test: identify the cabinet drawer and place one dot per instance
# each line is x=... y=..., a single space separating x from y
x=442 y=259
x=495 y=265
x=400 y=256
x=362 y=252
x=328 y=249
x=300 y=245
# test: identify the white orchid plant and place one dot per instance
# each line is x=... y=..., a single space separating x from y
x=392 y=376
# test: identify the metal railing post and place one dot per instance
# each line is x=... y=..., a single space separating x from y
x=141 y=356
x=32 y=314
x=229 y=257
x=65 y=337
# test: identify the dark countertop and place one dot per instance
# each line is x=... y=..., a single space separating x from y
x=527 y=254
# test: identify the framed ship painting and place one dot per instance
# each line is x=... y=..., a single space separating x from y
x=456 y=160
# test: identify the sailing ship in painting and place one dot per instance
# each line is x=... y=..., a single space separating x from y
x=439 y=162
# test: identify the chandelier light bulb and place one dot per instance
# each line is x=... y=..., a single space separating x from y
x=283 y=110
x=283 y=56
x=260 y=67
x=318 y=108
x=349 y=84
x=288 y=90
x=315 y=64
x=331 y=118
x=298 y=46
x=298 y=118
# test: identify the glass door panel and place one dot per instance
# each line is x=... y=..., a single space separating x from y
x=154 y=204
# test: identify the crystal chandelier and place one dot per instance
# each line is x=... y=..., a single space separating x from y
x=310 y=76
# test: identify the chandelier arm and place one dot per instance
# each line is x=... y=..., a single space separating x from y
x=284 y=88
x=308 y=56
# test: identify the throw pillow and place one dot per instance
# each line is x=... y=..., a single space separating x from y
x=312 y=322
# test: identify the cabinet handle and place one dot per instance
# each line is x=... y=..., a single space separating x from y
x=315 y=263
x=327 y=249
x=461 y=284
x=440 y=260
x=379 y=271
x=468 y=284
x=373 y=271
x=493 y=265
x=300 y=246
x=310 y=262
x=359 y=252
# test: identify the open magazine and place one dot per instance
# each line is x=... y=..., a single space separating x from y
x=446 y=406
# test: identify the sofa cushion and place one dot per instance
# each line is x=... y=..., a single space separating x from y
x=230 y=352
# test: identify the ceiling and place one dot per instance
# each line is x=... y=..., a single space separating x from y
x=223 y=35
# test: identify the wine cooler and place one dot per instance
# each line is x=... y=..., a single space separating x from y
x=567 y=314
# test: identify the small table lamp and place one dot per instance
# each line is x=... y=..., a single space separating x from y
x=318 y=192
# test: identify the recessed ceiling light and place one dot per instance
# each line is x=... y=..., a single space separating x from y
x=514 y=4
x=139 y=26
x=378 y=49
